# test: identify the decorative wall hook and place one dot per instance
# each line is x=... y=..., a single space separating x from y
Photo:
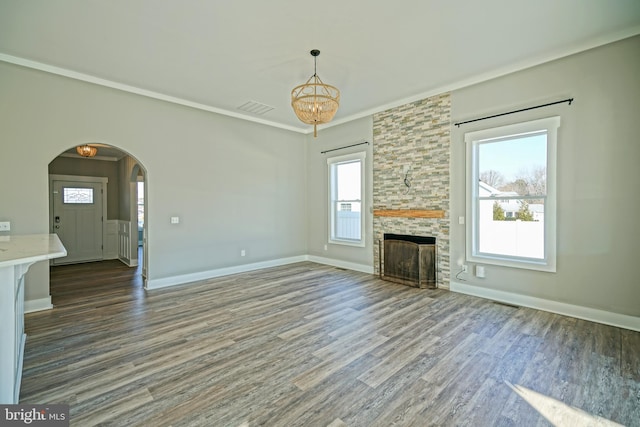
x=407 y=181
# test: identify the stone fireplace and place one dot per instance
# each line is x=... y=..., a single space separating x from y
x=411 y=155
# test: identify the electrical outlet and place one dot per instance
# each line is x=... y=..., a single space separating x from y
x=5 y=226
x=465 y=268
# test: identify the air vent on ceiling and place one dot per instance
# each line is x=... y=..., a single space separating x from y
x=254 y=107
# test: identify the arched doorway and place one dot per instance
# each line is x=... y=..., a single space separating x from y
x=138 y=185
x=122 y=228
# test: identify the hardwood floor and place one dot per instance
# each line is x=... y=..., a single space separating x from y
x=313 y=345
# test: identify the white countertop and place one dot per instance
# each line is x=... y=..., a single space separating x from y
x=28 y=248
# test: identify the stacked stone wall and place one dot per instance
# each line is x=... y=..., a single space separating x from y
x=411 y=145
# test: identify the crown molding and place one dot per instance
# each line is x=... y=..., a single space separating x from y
x=452 y=86
x=40 y=66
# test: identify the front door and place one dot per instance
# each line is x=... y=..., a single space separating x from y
x=77 y=220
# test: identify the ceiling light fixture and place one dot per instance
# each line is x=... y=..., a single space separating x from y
x=314 y=102
x=86 y=150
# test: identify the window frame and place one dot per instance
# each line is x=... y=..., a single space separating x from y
x=332 y=190
x=473 y=140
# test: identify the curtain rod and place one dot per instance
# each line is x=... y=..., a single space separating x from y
x=341 y=148
x=569 y=100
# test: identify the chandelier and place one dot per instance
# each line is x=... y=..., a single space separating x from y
x=86 y=150
x=314 y=102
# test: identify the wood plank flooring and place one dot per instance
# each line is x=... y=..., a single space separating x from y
x=312 y=345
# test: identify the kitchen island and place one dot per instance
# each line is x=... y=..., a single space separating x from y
x=17 y=254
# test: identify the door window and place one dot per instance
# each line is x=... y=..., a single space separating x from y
x=77 y=195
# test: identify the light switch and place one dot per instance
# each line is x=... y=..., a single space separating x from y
x=175 y=220
x=461 y=220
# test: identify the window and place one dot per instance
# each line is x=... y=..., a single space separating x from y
x=346 y=187
x=75 y=195
x=140 y=204
x=511 y=195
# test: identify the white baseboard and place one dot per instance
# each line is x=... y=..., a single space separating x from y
x=363 y=268
x=585 y=313
x=128 y=262
x=38 y=305
x=210 y=274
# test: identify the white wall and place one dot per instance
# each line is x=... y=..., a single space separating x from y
x=234 y=184
x=360 y=258
x=598 y=238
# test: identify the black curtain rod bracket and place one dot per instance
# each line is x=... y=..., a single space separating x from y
x=342 y=148
x=569 y=100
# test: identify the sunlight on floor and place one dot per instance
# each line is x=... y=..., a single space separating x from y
x=557 y=412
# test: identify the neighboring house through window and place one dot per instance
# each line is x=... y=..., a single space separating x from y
x=511 y=195
x=346 y=189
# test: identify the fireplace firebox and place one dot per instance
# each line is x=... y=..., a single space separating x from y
x=409 y=260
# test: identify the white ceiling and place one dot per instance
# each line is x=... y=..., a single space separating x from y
x=219 y=54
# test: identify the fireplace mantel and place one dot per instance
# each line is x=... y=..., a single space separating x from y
x=409 y=213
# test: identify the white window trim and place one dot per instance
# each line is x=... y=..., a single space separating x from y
x=343 y=159
x=472 y=140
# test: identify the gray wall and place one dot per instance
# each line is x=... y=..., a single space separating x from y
x=598 y=237
x=125 y=171
x=234 y=184
x=90 y=167
x=239 y=185
x=317 y=186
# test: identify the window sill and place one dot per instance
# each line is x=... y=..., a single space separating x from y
x=358 y=244
x=523 y=264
